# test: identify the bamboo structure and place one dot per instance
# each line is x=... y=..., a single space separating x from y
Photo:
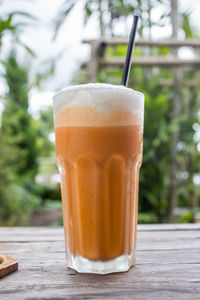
x=99 y=59
x=149 y=43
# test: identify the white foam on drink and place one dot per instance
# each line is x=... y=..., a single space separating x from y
x=102 y=98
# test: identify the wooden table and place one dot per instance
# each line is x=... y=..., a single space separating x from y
x=168 y=266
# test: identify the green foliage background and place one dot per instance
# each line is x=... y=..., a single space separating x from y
x=24 y=140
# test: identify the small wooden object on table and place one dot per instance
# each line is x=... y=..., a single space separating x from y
x=7 y=265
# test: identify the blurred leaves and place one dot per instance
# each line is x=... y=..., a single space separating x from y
x=23 y=139
x=186 y=25
x=88 y=9
x=17 y=203
x=18 y=152
x=47 y=69
x=27 y=48
x=63 y=13
x=44 y=127
x=9 y=24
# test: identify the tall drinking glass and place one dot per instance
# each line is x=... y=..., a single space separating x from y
x=99 y=140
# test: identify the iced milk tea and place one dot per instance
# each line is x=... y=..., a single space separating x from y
x=99 y=136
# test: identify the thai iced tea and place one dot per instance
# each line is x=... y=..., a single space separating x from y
x=99 y=135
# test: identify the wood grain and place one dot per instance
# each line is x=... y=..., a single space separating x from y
x=150 y=61
x=147 y=62
x=167 y=267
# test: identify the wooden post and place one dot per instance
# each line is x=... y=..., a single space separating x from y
x=175 y=112
x=101 y=22
x=93 y=63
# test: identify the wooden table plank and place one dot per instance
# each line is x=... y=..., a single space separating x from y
x=147 y=240
x=58 y=231
x=143 y=257
x=56 y=234
x=168 y=266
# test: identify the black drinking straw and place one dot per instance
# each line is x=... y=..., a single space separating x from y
x=131 y=45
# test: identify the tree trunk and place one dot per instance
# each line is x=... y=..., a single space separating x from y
x=141 y=27
x=175 y=112
x=101 y=23
x=110 y=7
x=149 y=19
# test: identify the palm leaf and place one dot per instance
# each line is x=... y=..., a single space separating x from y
x=24 y=14
x=88 y=11
x=62 y=14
